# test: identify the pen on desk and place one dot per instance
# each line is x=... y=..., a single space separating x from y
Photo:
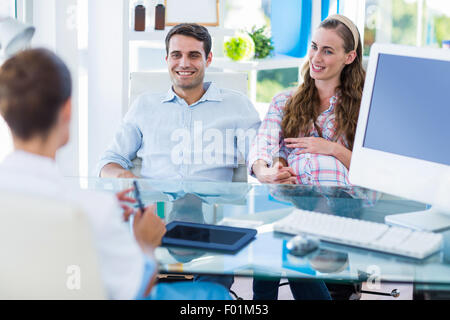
x=137 y=195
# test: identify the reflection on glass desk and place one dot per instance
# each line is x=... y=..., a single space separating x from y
x=258 y=206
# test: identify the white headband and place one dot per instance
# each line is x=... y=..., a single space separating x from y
x=349 y=24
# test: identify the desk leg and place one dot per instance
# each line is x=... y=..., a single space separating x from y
x=435 y=292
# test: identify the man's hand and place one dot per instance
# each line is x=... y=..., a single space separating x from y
x=148 y=228
x=277 y=174
x=114 y=170
x=126 y=175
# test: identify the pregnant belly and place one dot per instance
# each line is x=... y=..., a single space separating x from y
x=318 y=169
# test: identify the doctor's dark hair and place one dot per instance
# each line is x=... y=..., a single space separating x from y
x=192 y=30
x=34 y=85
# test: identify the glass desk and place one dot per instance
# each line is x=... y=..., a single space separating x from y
x=258 y=206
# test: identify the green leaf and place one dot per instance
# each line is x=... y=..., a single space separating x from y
x=263 y=43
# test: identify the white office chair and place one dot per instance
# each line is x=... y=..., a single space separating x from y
x=159 y=82
x=46 y=251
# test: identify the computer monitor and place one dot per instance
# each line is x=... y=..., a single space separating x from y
x=402 y=144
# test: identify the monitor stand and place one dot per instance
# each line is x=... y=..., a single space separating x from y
x=433 y=219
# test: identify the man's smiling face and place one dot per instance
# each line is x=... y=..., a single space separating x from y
x=187 y=62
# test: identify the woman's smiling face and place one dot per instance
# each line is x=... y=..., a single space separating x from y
x=327 y=55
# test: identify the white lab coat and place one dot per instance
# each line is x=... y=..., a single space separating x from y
x=120 y=258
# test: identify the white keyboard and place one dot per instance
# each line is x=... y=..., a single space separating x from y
x=358 y=233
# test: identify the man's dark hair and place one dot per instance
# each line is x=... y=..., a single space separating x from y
x=191 y=30
x=34 y=85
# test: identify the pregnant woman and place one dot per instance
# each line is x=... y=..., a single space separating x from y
x=307 y=135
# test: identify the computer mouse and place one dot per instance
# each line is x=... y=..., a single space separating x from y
x=301 y=245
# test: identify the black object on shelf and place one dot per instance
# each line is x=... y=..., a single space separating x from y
x=160 y=17
x=139 y=18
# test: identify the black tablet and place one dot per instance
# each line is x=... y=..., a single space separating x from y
x=207 y=236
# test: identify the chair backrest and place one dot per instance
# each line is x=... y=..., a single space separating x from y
x=46 y=250
x=159 y=82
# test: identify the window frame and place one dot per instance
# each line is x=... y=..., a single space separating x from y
x=420 y=24
x=24 y=11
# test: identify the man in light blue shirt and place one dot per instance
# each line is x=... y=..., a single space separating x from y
x=195 y=131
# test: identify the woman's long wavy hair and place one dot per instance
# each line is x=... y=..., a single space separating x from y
x=302 y=109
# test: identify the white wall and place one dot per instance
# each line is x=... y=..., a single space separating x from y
x=56 y=30
x=6 y=145
x=88 y=36
x=105 y=75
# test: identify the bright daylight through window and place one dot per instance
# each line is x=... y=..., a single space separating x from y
x=408 y=22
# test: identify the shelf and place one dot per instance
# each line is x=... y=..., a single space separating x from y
x=276 y=62
x=160 y=35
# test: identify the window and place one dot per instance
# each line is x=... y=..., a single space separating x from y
x=243 y=15
x=7 y=9
x=408 y=22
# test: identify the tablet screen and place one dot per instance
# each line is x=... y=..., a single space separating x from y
x=227 y=237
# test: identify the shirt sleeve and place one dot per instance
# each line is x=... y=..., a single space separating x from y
x=149 y=270
x=268 y=143
x=127 y=141
x=123 y=266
